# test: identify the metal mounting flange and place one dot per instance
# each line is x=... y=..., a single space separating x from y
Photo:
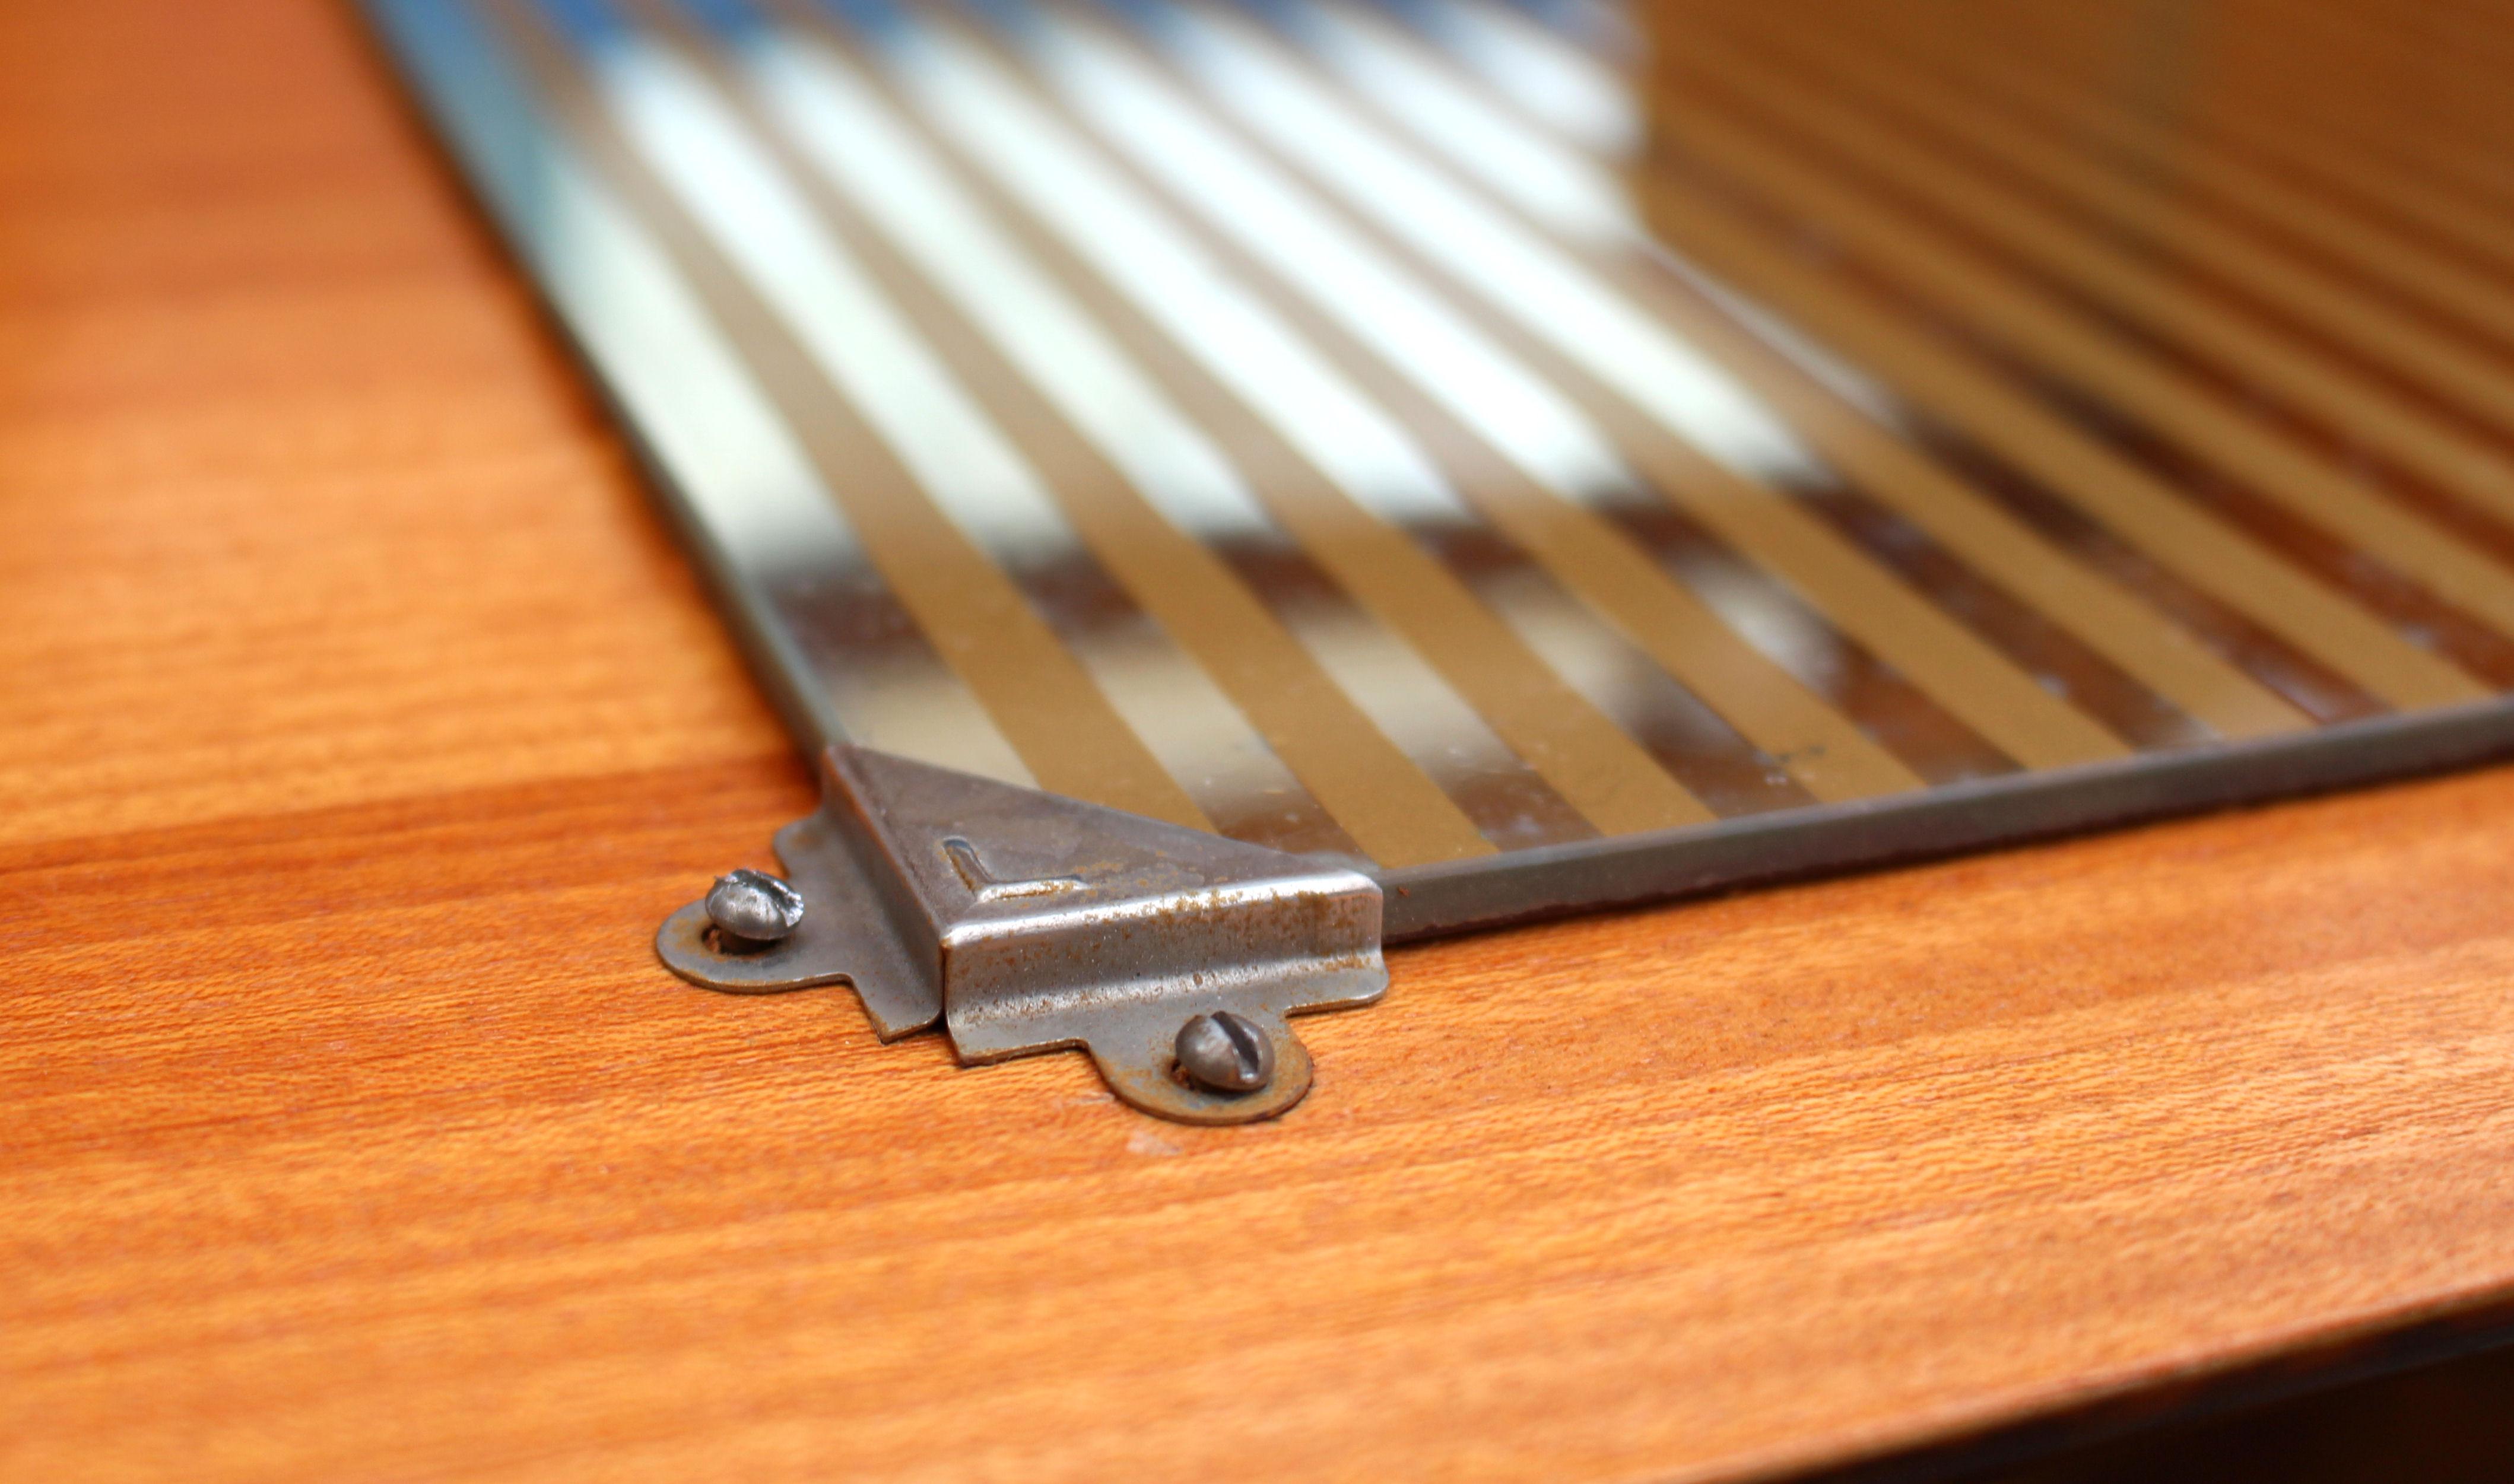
x=1025 y=922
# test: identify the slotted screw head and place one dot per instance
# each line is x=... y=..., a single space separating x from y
x=1226 y=1053
x=753 y=907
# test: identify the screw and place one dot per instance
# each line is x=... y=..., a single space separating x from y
x=754 y=908
x=1226 y=1053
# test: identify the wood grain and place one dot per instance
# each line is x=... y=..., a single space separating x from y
x=357 y=723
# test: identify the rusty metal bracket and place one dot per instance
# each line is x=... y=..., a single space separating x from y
x=1026 y=922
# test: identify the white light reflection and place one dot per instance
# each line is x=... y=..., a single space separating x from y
x=1553 y=183
x=1553 y=81
x=1547 y=291
x=1111 y=224
x=844 y=128
x=1503 y=153
x=757 y=219
x=1141 y=115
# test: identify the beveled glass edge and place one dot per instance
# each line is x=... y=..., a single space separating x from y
x=1634 y=870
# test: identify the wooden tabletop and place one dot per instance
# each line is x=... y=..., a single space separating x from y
x=358 y=722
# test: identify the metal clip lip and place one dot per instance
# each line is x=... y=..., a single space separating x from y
x=1026 y=922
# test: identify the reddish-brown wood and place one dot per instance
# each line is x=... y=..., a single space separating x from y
x=357 y=723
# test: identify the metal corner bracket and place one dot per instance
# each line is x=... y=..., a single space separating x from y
x=1025 y=922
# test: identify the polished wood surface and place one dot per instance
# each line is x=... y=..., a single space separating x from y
x=358 y=723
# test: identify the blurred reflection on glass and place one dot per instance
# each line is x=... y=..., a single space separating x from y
x=1418 y=430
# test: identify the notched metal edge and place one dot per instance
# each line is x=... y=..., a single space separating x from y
x=1314 y=928
x=1132 y=1045
x=840 y=943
